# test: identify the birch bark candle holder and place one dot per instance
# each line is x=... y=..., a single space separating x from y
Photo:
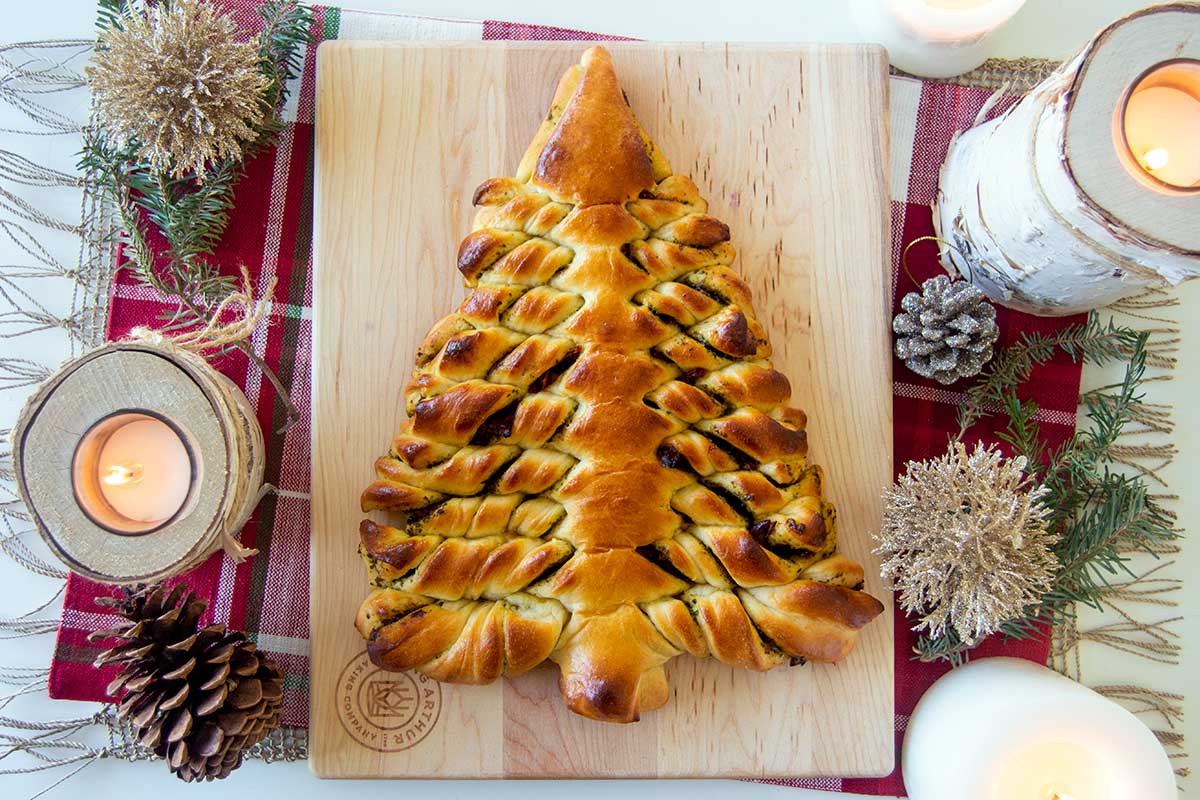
x=139 y=460
x=1088 y=190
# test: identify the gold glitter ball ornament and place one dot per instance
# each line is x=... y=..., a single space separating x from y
x=175 y=83
x=965 y=541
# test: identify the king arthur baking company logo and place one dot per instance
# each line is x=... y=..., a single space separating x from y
x=387 y=711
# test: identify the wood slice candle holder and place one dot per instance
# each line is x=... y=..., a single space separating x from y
x=1050 y=209
x=67 y=425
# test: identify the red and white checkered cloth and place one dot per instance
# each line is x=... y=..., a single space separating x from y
x=271 y=233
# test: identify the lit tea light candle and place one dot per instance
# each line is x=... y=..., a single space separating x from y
x=934 y=38
x=1008 y=729
x=138 y=460
x=143 y=471
x=1161 y=124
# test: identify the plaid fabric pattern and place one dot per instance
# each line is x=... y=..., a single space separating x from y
x=271 y=233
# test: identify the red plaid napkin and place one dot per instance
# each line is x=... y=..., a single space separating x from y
x=271 y=233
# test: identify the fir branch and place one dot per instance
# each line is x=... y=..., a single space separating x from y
x=112 y=14
x=1023 y=434
x=1102 y=516
x=1117 y=515
x=191 y=212
x=286 y=31
x=946 y=647
x=1091 y=341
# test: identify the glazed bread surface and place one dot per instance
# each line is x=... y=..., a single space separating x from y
x=599 y=465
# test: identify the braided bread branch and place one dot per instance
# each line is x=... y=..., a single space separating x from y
x=599 y=465
x=425 y=617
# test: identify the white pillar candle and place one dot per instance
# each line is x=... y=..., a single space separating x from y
x=934 y=38
x=1008 y=729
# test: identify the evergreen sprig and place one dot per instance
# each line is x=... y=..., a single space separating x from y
x=171 y=225
x=113 y=14
x=1093 y=341
x=1099 y=513
x=286 y=31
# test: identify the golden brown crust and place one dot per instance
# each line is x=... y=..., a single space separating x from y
x=597 y=153
x=613 y=683
x=599 y=466
x=810 y=619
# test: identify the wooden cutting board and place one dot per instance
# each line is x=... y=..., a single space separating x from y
x=789 y=145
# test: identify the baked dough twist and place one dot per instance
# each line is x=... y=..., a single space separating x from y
x=599 y=465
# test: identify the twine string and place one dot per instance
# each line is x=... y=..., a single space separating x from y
x=215 y=334
x=229 y=410
x=245 y=468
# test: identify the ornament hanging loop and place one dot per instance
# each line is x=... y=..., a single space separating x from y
x=941 y=242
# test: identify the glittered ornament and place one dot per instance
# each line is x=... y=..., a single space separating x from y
x=965 y=541
x=176 y=83
x=946 y=331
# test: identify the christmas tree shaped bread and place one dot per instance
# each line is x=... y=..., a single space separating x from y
x=599 y=465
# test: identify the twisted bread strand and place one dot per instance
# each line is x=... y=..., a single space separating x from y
x=463 y=641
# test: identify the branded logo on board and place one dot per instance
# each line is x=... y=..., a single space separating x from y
x=387 y=711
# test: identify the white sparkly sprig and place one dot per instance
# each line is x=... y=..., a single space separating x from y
x=965 y=542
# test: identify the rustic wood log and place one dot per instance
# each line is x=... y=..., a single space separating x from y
x=1046 y=209
x=151 y=376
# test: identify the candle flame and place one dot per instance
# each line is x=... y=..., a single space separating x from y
x=121 y=474
x=1155 y=158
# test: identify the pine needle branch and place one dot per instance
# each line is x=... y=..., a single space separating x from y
x=112 y=14
x=946 y=647
x=1101 y=515
x=189 y=214
x=286 y=31
x=1092 y=341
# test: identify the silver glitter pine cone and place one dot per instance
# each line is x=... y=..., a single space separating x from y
x=197 y=697
x=946 y=331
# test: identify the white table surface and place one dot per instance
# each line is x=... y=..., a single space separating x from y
x=1050 y=28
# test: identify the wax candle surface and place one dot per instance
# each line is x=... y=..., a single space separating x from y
x=1008 y=729
x=1054 y=770
x=144 y=470
x=956 y=4
x=1162 y=129
x=933 y=38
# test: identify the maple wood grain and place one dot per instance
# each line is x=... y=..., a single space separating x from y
x=789 y=145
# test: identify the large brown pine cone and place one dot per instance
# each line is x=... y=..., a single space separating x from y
x=197 y=698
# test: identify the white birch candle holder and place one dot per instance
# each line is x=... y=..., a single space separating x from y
x=1088 y=190
x=139 y=460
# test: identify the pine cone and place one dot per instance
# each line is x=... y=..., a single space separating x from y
x=196 y=698
x=947 y=331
